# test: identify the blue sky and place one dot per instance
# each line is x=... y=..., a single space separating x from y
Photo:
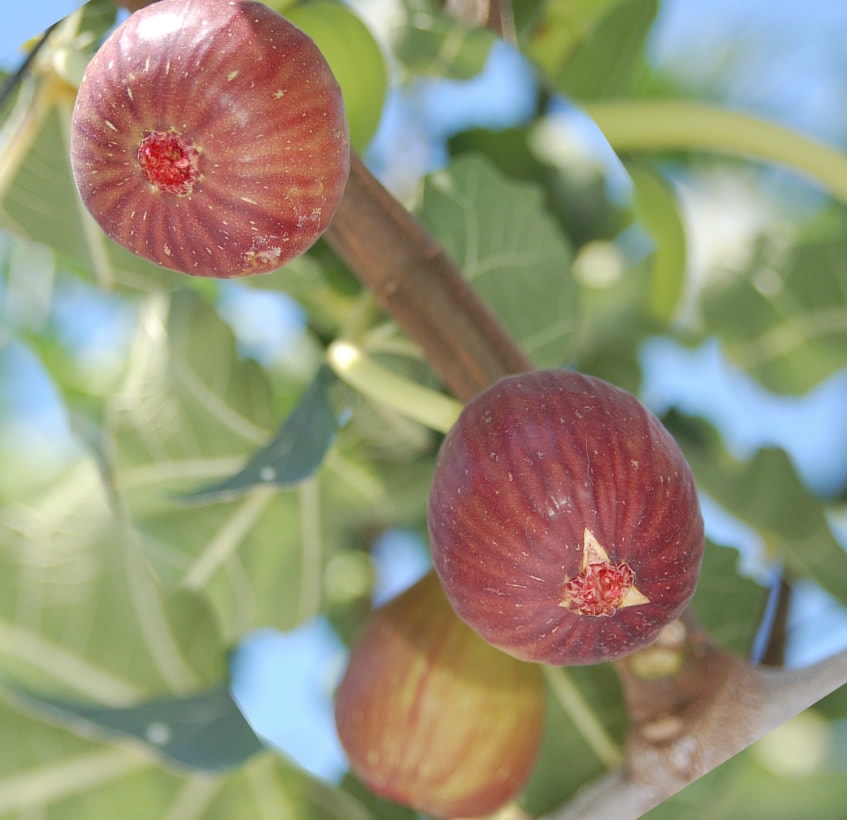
x=796 y=79
x=22 y=21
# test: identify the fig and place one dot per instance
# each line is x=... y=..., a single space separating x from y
x=209 y=137
x=564 y=520
x=433 y=717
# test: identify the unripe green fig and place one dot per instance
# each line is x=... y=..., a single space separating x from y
x=209 y=137
x=433 y=717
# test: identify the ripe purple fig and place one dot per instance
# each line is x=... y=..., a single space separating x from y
x=433 y=717
x=209 y=137
x=564 y=521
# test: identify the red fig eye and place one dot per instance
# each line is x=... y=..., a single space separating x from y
x=564 y=521
x=601 y=587
x=169 y=162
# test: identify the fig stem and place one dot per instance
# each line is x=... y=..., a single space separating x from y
x=416 y=282
x=570 y=698
x=353 y=366
x=682 y=124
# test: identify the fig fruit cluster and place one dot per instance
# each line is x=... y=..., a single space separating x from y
x=433 y=717
x=564 y=521
x=209 y=137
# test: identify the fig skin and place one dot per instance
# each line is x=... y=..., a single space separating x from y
x=433 y=717
x=259 y=116
x=540 y=472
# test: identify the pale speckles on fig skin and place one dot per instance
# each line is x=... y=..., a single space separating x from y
x=531 y=464
x=254 y=96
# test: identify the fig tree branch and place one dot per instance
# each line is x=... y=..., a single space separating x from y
x=415 y=281
x=779 y=606
x=749 y=703
x=495 y=15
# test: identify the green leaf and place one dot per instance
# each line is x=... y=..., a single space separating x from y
x=606 y=61
x=552 y=783
x=785 y=320
x=509 y=247
x=294 y=454
x=728 y=605
x=204 y=731
x=191 y=410
x=656 y=209
x=41 y=201
x=186 y=393
x=52 y=772
x=380 y=807
x=766 y=494
x=747 y=788
x=80 y=611
x=438 y=45
x=561 y=26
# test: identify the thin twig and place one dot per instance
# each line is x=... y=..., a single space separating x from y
x=775 y=630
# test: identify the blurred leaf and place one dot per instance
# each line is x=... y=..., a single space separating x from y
x=567 y=762
x=744 y=788
x=576 y=198
x=766 y=494
x=509 y=247
x=294 y=454
x=51 y=772
x=785 y=321
x=319 y=283
x=728 y=605
x=42 y=201
x=30 y=272
x=381 y=808
x=613 y=323
x=561 y=26
x=98 y=17
x=186 y=393
x=80 y=611
x=190 y=410
x=603 y=58
x=438 y=45
x=656 y=209
x=203 y=731
x=834 y=705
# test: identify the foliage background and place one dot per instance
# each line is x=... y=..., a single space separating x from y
x=126 y=388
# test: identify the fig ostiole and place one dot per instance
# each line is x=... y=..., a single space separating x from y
x=433 y=717
x=564 y=519
x=209 y=137
x=601 y=586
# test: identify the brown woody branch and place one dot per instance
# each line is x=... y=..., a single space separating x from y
x=716 y=706
x=415 y=281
